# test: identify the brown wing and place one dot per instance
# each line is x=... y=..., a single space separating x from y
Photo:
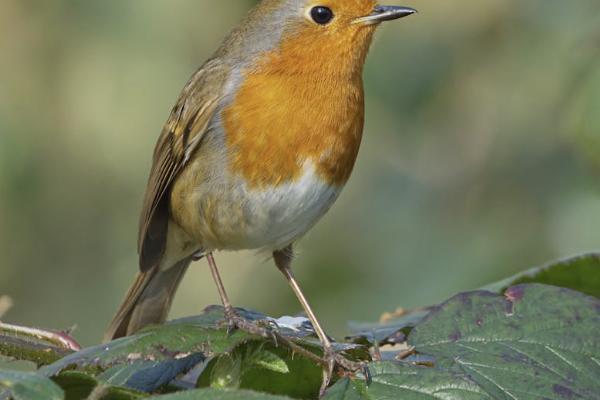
x=180 y=137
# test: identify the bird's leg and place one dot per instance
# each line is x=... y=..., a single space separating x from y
x=234 y=320
x=283 y=261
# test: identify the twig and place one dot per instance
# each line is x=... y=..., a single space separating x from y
x=277 y=339
x=299 y=349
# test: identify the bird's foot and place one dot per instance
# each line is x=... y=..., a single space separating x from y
x=257 y=328
x=333 y=362
x=337 y=363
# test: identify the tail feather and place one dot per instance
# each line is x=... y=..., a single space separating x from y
x=148 y=300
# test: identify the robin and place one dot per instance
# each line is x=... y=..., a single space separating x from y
x=257 y=149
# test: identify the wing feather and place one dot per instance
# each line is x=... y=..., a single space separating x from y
x=187 y=124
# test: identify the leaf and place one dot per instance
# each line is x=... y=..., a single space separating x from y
x=146 y=361
x=78 y=385
x=534 y=342
x=217 y=394
x=153 y=377
x=270 y=361
x=120 y=374
x=581 y=273
x=29 y=386
x=162 y=343
x=162 y=356
x=39 y=346
x=262 y=367
x=407 y=382
x=346 y=389
x=390 y=332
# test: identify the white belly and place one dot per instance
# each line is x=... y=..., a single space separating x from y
x=270 y=218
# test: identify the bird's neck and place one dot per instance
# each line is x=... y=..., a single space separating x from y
x=294 y=108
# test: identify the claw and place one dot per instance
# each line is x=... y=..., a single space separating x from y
x=332 y=361
x=336 y=362
x=235 y=322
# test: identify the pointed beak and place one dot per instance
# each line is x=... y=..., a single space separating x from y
x=385 y=13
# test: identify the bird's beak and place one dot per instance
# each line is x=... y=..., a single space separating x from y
x=385 y=13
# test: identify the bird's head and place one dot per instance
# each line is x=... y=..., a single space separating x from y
x=316 y=34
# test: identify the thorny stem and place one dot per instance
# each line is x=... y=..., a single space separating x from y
x=299 y=349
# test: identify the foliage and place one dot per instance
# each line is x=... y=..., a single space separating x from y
x=526 y=341
x=27 y=386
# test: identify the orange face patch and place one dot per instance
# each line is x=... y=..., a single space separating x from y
x=302 y=102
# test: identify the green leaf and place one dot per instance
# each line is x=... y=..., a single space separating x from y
x=226 y=372
x=269 y=361
x=29 y=386
x=535 y=342
x=168 y=342
x=120 y=374
x=262 y=367
x=78 y=385
x=408 y=382
x=149 y=378
x=39 y=346
x=390 y=332
x=217 y=394
x=157 y=357
x=346 y=389
x=581 y=273
x=147 y=361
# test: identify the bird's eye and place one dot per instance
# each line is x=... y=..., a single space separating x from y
x=321 y=15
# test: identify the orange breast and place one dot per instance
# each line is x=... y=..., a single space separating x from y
x=300 y=103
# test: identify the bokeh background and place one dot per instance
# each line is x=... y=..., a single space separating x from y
x=481 y=155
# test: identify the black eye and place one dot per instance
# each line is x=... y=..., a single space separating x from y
x=321 y=15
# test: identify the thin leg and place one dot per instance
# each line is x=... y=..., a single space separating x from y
x=283 y=261
x=220 y=287
x=234 y=320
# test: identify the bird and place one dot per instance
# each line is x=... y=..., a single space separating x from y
x=257 y=148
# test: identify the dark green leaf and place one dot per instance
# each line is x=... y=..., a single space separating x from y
x=39 y=346
x=390 y=332
x=163 y=343
x=218 y=394
x=78 y=385
x=158 y=356
x=263 y=367
x=151 y=378
x=29 y=386
x=580 y=273
x=120 y=374
x=536 y=342
x=407 y=382
x=346 y=389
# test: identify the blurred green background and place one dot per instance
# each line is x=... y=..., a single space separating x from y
x=481 y=155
